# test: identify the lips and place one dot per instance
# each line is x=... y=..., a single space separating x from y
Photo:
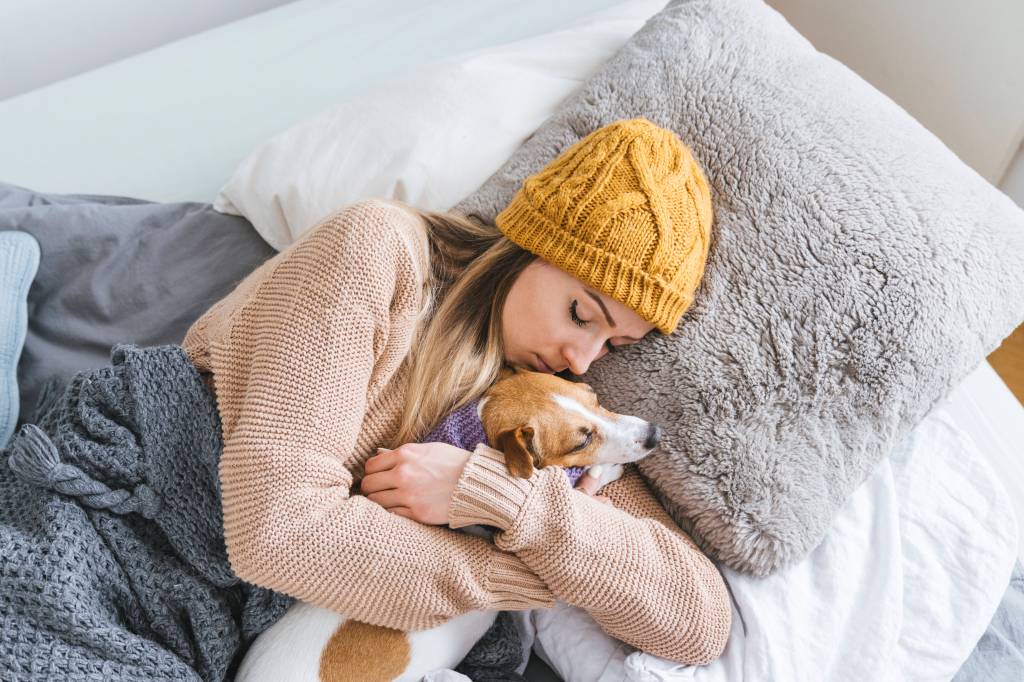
x=542 y=366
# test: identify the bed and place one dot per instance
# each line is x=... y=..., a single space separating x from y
x=171 y=124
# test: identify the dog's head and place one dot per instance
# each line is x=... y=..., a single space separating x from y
x=540 y=419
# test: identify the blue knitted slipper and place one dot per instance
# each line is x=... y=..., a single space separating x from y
x=19 y=261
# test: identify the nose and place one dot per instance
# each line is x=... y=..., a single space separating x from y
x=653 y=436
x=580 y=356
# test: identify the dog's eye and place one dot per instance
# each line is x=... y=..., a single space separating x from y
x=585 y=443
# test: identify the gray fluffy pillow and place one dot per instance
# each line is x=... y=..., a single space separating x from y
x=858 y=271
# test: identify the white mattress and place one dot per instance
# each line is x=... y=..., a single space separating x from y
x=171 y=124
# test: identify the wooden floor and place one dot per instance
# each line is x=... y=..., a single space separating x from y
x=1008 y=362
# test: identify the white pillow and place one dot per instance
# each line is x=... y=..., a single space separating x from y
x=429 y=137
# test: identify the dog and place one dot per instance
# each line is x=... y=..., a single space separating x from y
x=537 y=420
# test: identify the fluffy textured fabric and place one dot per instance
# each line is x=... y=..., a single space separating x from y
x=463 y=428
x=113 y=564
x=858 y=270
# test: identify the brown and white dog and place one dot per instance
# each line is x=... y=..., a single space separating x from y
x=539 y=420
x=536 y=420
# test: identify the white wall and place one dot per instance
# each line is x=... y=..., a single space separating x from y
x=1013 y=183
x=42 y=41
x=955 y=66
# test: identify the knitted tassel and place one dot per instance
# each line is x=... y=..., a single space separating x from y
x=34 y=458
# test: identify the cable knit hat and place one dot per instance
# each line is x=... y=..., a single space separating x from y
x=626 y=210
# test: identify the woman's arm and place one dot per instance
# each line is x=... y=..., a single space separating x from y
x=629 y=565
x=303 y=354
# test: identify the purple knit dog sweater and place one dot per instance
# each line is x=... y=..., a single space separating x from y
x=463 y=429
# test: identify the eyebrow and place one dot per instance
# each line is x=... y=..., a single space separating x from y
x=604 y=310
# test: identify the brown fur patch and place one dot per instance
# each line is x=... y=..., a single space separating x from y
x=523 y=401
x=358 y=652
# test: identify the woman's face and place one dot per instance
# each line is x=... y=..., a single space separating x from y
x=552 y=321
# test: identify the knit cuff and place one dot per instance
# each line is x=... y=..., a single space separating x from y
x=486 y=493
x=513 y=586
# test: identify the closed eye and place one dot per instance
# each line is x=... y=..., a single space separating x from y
x=585 y=443
x=580 y=322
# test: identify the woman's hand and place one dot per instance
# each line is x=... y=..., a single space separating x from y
x=415 y=480
x=590 y=484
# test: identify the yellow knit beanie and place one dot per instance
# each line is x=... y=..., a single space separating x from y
x=626 y=210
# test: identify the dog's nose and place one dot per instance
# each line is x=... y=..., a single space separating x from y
x=653 y=436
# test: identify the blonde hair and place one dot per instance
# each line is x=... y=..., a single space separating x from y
x=457 y=352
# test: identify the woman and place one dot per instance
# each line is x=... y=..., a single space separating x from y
x=379 y=321
x=321 y=347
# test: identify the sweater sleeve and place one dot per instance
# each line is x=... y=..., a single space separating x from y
x=630 y=566
x=301 y=356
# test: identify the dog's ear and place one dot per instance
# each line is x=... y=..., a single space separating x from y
x=517 y=445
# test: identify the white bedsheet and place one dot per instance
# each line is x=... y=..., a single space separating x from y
x=901 y=589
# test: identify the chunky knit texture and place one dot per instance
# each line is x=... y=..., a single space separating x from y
x=306 y=359
x=463 y=428
x=627 y=210
x=497 y=655
x=112 y=559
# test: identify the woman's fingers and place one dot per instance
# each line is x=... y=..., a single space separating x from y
x=381 y=480
x=382 y=461
x=387 y=499
x=588 y=484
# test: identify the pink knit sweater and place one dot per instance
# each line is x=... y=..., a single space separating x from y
x=305 y=357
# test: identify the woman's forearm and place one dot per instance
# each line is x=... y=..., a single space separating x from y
x=347 y=554
x=630 y=566
x=297 y=370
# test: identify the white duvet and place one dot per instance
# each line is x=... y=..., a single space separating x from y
x=902 y=588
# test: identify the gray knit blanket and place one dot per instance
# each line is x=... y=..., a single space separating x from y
x=112 y=556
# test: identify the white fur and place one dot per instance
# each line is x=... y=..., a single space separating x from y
x=289 y=650
x=606 y=473
x=623 y=437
